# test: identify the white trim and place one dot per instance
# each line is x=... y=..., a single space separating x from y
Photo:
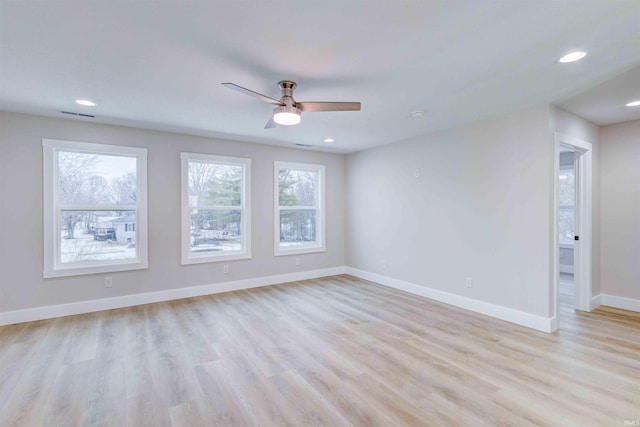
x=567 y=269
x=621 y=302
x=306 y=247
x=596 y=301
x=188 y=257
x=52 y=265
x=582 y=248
x=522 y=318
x=583 y=209
x=52 y=311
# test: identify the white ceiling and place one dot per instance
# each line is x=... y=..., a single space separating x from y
x=159 y=64
x=605 y=103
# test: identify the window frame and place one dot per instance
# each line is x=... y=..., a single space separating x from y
x=305 y=248
x=187 y=257
x=52 y=209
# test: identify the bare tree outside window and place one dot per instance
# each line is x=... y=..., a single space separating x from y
x=93 y=180
x=95 y=208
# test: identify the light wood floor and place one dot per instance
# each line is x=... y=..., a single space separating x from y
x=567 y=294
x=336 y=351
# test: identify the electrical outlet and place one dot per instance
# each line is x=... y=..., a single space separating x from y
x=225 y=269
x=416 y=173
x=384 y=265
x=468 y=282
x=297 y=260
x=108 y=282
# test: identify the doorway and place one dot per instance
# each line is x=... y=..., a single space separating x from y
x=572 y=226
x=566 y=228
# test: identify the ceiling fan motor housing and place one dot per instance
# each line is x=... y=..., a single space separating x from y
x=287 y=88
x=288 y=111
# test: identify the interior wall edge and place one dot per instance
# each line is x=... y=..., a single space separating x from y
x=518 y=317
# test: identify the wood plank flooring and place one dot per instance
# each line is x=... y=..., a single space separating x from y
x=335 y=351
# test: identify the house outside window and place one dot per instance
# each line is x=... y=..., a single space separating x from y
x=94 y=195
x=299 y=211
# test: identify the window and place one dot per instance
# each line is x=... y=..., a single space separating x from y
x=94 y=196
x=566 y=214
x=216 y=208
x=299 y=208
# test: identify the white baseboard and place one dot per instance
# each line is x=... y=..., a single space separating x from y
x=51 y=311
x=621 y=302
x=596 y=301
x=503 y=313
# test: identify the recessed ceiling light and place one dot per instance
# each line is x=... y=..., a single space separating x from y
x=633 y=104
x=85 y=102
x=329 y=140
x=417 y=114
x=572 y=57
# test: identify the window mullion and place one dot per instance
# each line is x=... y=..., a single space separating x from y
x=298 y=208
x=216 y=208
x=105 y=208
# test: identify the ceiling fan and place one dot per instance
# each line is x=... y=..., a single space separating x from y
x=288 y=111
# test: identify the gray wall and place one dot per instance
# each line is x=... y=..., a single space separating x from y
x=21 y=263
x=481 y=207
x=620 y=168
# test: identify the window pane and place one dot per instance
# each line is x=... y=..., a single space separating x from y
x=297 y=227
x=567 y=187
x=97 y=236
x=215 y=230
x=213 y=184
x=96 y=179
x=298 y=188
x=566 y=225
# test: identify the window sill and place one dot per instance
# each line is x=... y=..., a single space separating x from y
x=215 y=258
x=299 y=250
x=94 y=269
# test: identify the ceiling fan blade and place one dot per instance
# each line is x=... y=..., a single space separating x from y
x=252 y=93
x=313 y=107
x=270 y=124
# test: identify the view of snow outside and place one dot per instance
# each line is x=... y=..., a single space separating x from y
x=83 y=248
x=299 y=189
x=100 y=181
x=566 y=214
x=215 y=198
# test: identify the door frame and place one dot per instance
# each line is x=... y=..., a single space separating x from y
x=583 y=209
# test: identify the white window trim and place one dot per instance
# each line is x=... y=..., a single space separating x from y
x=52 y=266
x=306 y=248
x=245 y=205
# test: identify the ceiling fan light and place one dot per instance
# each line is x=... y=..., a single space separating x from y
x=286 y=115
